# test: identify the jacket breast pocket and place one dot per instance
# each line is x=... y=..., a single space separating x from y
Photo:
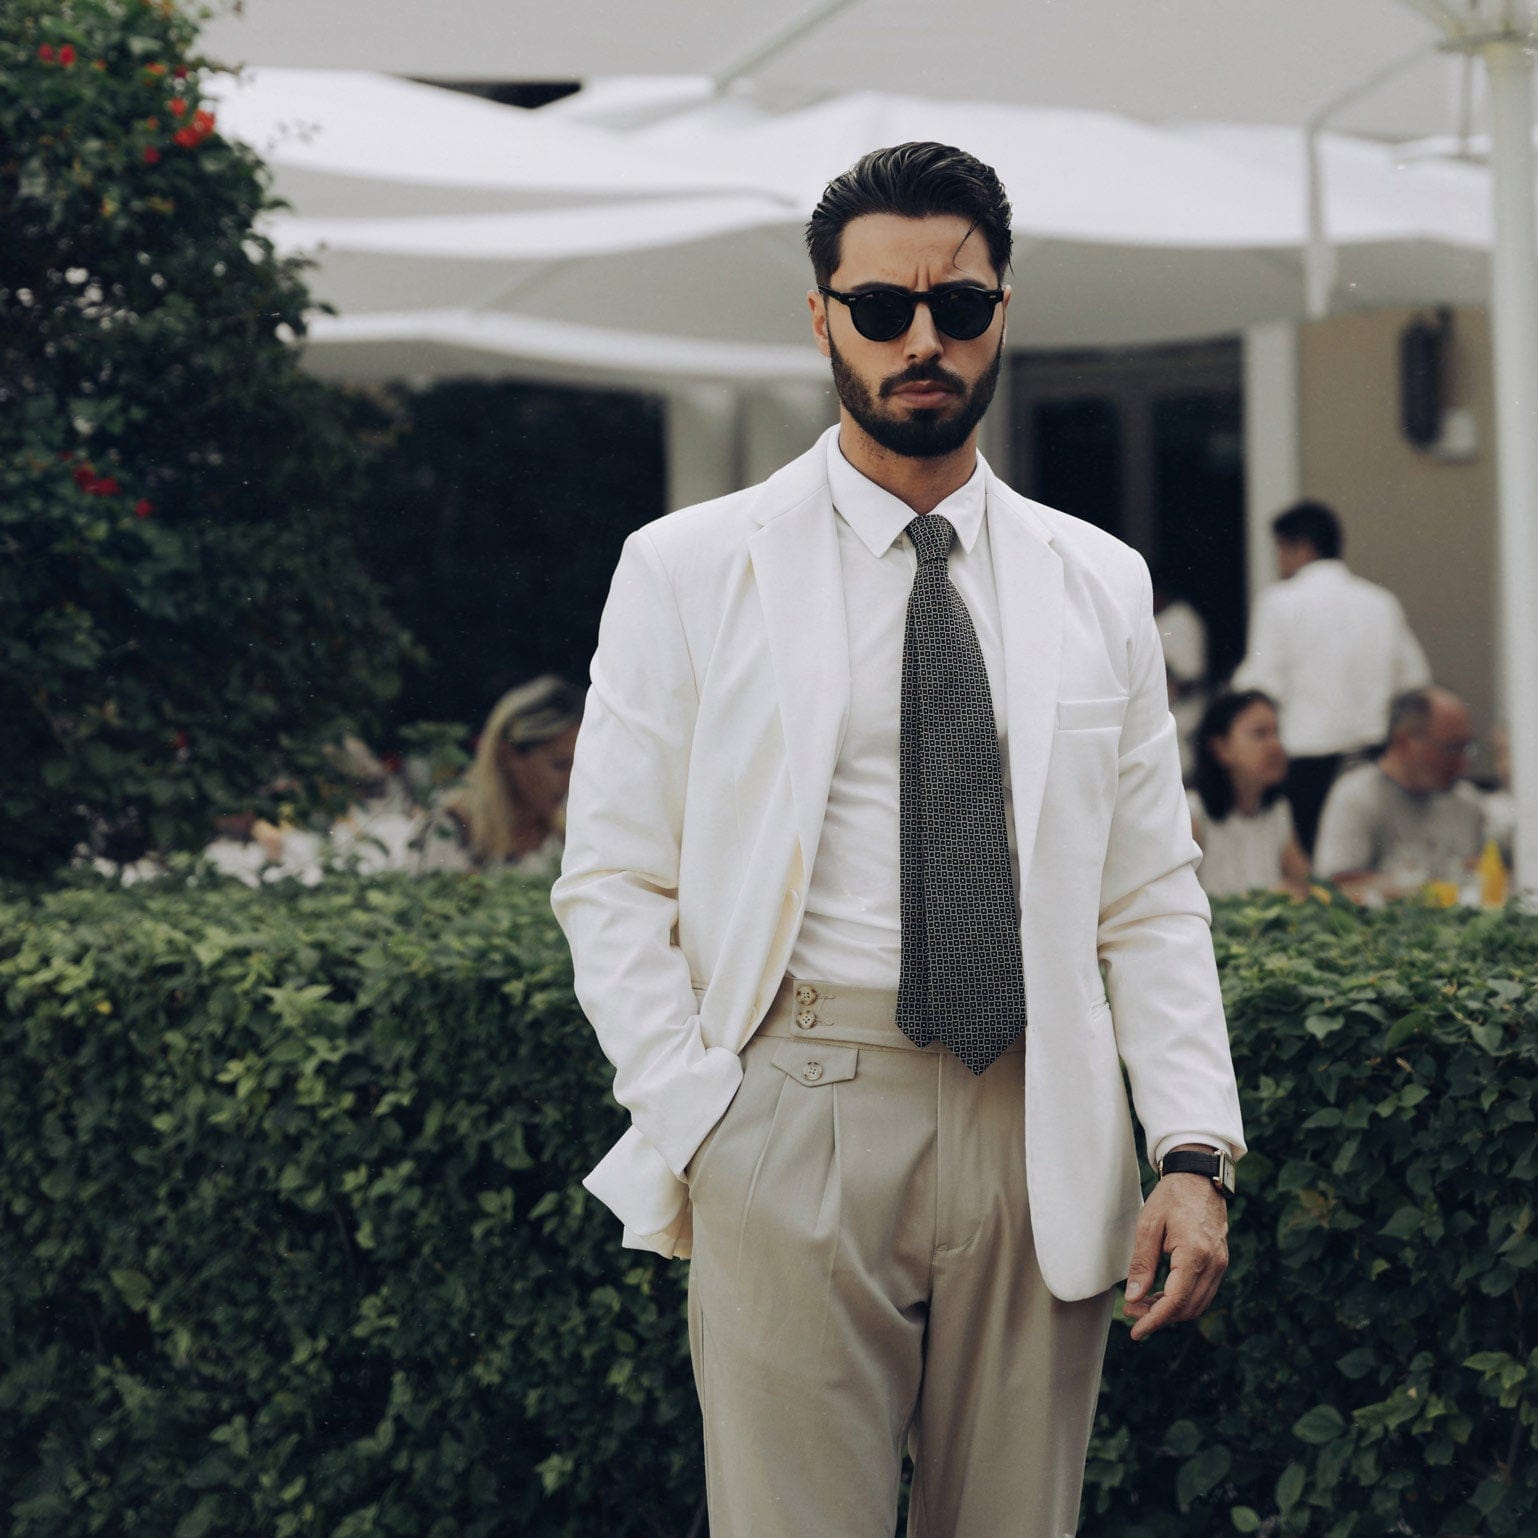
x=1091 y=715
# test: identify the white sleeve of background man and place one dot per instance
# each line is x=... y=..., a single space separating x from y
x=617 y=898
x=1265 y=661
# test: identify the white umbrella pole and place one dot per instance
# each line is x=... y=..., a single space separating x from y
x=1514 y=322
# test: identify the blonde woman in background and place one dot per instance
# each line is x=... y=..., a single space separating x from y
x=509 y=808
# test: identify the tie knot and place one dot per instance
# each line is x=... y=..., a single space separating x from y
x=932 y=537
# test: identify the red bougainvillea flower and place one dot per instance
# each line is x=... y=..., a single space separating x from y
x=188 y=137
x=154 y=69
x=45 y=53
x=105 y=487
x=151 y=155
x=143 y=508
x=67 y=55
x=180 y=742
x=84 y=475
x=203 y=122
x=180 y=71
x=176 y=106
x=152 y=123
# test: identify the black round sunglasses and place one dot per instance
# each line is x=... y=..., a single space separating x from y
x=884 y=314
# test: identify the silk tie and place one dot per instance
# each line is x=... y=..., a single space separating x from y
x=962 y=979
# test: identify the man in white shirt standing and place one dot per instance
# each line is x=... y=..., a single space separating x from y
x=1332 y=650
x=877 y=783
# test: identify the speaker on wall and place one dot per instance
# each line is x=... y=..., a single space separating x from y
x=1422 y=355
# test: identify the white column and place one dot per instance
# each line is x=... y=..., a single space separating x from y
x=997 y=438
x=781 y=421
x=1273 y=438
x=704 y=457
x=1514 y=324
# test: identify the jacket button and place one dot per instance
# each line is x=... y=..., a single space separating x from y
x=806 y=1019
x=812 y=1072
x=806 y=994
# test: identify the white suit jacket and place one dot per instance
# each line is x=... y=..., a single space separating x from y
x=719 y=695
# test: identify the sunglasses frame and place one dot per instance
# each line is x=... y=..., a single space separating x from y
x=915 y=297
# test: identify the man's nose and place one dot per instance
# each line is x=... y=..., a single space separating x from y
x=922 y=339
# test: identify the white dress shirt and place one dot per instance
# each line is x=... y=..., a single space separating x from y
x=1332 y=650
x=1241 y=852
x=852 y=929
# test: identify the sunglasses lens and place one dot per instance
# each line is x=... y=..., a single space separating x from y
x=880 y=316
x=962 y=313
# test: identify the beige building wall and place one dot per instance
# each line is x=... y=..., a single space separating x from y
x=1422 y=526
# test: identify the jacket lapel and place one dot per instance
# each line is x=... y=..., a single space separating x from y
x=797 y=572
x=1028 y=575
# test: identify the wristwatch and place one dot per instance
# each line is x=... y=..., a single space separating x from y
x=1217 y=1166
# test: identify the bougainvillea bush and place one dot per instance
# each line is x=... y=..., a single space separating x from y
x=183 y=617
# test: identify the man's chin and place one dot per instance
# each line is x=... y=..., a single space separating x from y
x=929 y=432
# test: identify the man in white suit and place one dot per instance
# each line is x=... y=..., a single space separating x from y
x=878 y=871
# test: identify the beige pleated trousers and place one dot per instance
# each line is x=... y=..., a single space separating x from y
x=863 y=1277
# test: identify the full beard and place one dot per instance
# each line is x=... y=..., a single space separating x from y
x=924 y=434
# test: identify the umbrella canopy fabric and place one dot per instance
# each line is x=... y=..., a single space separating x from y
x=1125 y=233
x=1225 y=60
x=351 y=144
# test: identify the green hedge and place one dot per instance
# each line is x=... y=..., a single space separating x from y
x=1369 y=1364
x=292 y=1240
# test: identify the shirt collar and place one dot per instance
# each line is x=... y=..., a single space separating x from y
x=1322 y=566
x=879 y=518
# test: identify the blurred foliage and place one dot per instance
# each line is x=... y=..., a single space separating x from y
x=183 y=614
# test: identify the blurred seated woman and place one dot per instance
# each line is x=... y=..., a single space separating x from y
x=1238 y=814
x=508 y=811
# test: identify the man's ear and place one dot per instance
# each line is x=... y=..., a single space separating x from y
x=819 y=308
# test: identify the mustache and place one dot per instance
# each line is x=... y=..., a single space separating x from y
x=924 y=373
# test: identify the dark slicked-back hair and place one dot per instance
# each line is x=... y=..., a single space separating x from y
x=1310 y=523
x=913 y=181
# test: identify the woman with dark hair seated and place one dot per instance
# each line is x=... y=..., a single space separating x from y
x=1238 y=813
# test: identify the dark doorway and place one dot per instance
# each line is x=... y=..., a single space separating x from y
x=496 y=516
x=1147 y=443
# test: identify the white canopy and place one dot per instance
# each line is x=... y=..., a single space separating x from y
x=1125 y=233
x=351 y=144
x=1158 y=60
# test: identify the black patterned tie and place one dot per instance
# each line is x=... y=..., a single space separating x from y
x=962 y=978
